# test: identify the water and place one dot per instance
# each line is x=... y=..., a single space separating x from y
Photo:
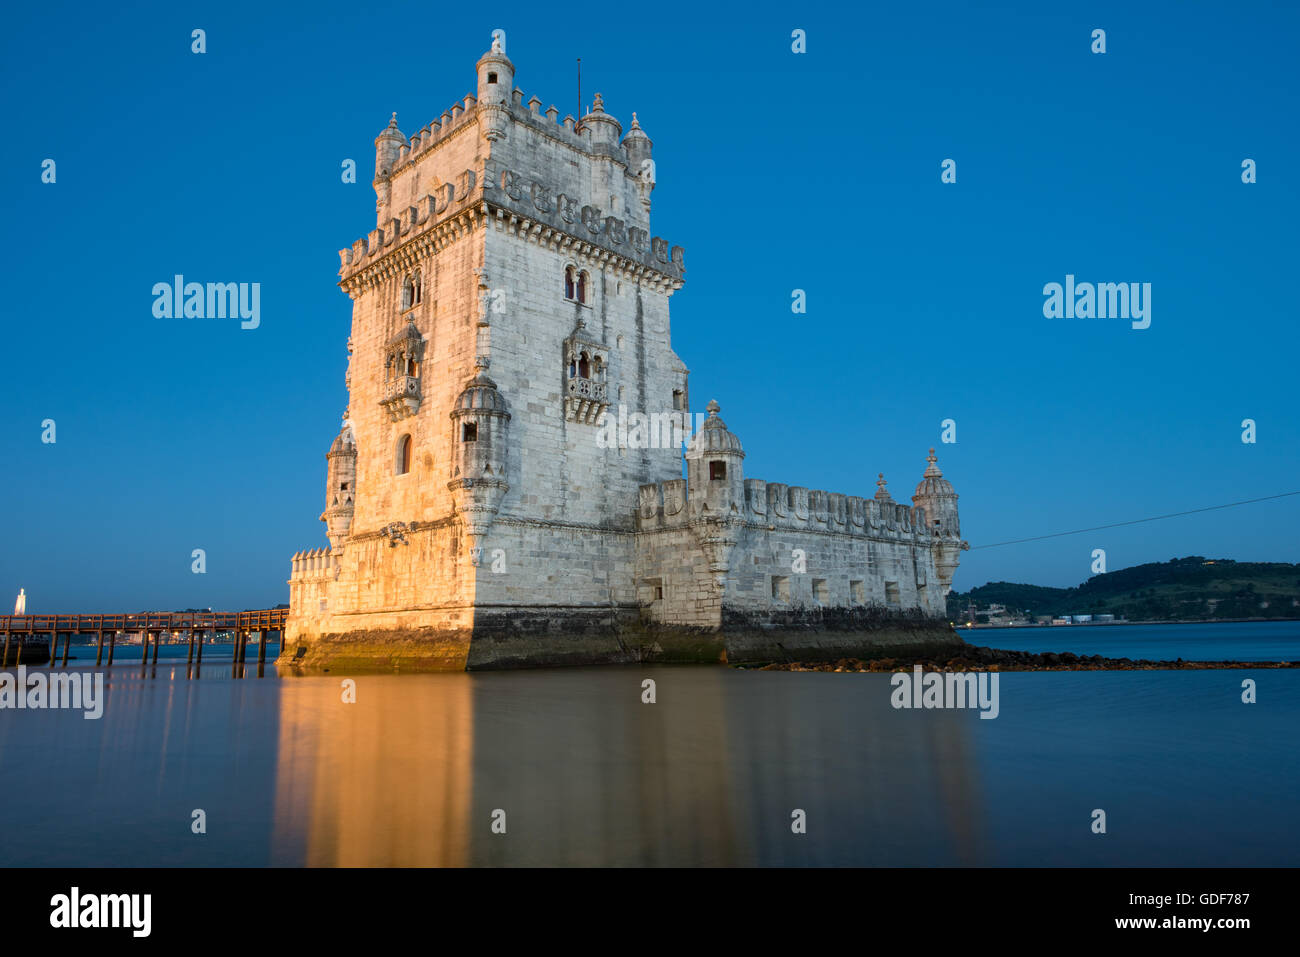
x=1235 y=641
x=412 y=773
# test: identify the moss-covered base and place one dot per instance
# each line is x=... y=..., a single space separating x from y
x=392 y=649
x=832 y=633
x=547 y=638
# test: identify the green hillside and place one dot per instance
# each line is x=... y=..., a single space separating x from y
x=1181 y=588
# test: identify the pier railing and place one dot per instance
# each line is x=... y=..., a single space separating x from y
x=151 y=625
x=266 y=619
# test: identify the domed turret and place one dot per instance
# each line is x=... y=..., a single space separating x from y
x=715 y=477
x=388 y=145
x=340 y=486
x=934 y=493
x=480 y=425
x=496 y=81
x=640 y=163
x=605 y=130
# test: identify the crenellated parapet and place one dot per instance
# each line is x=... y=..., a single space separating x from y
x=524 y=205
x=314 y=565
x=507 y=174
x=773 y=505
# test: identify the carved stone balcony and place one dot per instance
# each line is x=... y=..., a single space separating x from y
x=401 y=396
x=586 y=400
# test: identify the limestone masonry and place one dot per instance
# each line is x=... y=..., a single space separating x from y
x=506 y=488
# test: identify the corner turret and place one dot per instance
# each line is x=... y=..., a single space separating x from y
x=715 y=477
x=640 y=162
x=388 y=146
x=496 y=81
x=480 y=425
x=340 y=486
x=935 y=494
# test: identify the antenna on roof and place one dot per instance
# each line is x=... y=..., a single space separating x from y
x=578 y=128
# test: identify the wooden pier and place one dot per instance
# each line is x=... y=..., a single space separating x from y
x=25 y=636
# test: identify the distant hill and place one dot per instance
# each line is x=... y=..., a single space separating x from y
x=1181 y=588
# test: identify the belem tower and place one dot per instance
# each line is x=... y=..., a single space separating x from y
x=482 y=507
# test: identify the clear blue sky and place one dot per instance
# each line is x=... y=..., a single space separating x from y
x=775 y=171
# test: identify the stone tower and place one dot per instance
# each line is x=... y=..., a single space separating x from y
x=507 y=488
x=510 y=294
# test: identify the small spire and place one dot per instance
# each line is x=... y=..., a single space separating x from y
x=598 y=105
x=392 y=124
x=635 y=124
x=882 y=493
x=932 y=470
x=713 y=408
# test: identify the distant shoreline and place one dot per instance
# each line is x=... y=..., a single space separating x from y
x=1110 y=624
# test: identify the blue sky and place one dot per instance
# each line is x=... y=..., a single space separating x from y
x=775 y=171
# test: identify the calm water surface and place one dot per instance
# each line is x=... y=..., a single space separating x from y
x=709 y=775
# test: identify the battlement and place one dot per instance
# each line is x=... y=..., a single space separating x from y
x=666 y=505
x=453 y=119
x=313 y=565
x=524 y=204
x=464 y=114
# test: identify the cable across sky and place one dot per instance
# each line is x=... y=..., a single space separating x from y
x=1137 y=521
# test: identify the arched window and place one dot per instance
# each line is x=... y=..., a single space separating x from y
x=582 y=287
x=402 y=460
x=583 y=367
x=408 y=293
x=568 y=282
x=417 y=295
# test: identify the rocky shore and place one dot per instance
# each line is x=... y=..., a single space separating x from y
x=978 y=658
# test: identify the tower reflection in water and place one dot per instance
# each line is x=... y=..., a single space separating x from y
x=417 y=770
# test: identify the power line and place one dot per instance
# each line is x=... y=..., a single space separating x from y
x=1136 y=521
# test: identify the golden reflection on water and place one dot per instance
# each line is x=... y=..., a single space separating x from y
x=385 y=781
x=587 y=774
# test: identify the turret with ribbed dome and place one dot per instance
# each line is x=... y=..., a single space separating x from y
x=388 y=145
x=340 y=486
x=935 y=495
x=480 y=433
x=715 y=477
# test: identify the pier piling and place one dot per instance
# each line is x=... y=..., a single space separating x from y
x=99 y=648
x=67 y=642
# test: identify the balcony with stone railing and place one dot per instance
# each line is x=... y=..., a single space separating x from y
x=401 y=396
x=586 y=400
